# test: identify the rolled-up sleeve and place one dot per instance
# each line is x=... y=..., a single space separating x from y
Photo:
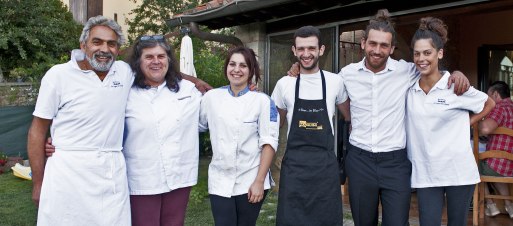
x=268 y=124
x=341 y=94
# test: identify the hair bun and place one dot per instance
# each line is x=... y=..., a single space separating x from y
x=435 y=25
x=382 y=16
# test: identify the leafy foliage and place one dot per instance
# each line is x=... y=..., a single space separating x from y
x=34 y=35
x=150 y=16
x=209 y=64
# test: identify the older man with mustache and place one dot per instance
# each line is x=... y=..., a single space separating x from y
x=83 y=101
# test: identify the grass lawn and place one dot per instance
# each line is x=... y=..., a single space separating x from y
x=198 y=211
x=17 y=209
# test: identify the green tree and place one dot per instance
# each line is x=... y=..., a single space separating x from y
x=34 y=35
x=150 y=16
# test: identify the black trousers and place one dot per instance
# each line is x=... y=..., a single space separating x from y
x=379 y=177
x=431 y=201
x=235 y=211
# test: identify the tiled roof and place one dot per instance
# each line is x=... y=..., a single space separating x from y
x=205 y=6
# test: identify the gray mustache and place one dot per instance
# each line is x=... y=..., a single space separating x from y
x=102 y=54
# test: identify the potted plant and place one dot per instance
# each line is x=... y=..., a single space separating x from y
x=3 y=158
x=3 y=161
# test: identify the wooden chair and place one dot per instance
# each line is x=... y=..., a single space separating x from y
x=479 y=194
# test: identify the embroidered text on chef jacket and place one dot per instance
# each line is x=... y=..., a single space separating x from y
x=161 y=138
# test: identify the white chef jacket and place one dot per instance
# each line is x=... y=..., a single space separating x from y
x=438 y=129
x=85 y=179
x=310 y=88
x=239 y=127
x=378 y=104
x=161 y=138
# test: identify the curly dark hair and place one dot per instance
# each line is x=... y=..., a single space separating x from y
x=431 y=28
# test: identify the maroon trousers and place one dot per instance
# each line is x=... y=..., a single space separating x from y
x=166 y=209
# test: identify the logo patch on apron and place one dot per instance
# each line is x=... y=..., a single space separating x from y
x=309 y=125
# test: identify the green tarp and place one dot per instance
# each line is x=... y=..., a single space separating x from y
x=14 y=125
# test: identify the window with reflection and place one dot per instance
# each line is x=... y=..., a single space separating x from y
x=350 y=49
x=495 y=64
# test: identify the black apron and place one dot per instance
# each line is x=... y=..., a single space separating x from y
x=309 y=178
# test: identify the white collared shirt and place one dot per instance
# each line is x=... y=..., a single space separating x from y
x=161 y=138
x=87 y=113
x=310 y=88
x=438 y=129
x=378 y=104
x=239 y=127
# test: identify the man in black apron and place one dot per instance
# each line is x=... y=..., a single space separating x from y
x=309 y=181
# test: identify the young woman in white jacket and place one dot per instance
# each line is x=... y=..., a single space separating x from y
x=244 y=128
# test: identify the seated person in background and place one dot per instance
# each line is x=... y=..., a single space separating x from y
x=500 y=116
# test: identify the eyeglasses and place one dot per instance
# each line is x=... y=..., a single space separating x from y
x=152 y=37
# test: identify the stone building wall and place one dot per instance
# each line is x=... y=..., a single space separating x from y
x=18 y=94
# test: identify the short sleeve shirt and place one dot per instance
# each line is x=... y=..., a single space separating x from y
x=86 y=112
x=438 y=129
x=310 y=88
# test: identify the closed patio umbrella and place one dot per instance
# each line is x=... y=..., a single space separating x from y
x=186 y=57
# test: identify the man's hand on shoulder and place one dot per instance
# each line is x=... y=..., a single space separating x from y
x=201 y=85
x=294 y=70
x=253 y=87
x=460 y=81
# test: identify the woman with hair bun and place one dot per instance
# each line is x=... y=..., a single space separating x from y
x=437 y=125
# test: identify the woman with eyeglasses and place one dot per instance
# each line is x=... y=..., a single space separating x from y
x=244 y=131
x=161 y=135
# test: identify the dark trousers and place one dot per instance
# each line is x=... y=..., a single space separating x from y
x=375 y=177
x=431 y=201
x=162 y=209
x=235 y=211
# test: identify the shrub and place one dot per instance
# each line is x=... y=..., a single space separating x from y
x=35 y=35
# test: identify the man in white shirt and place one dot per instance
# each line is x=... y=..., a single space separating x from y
x=83 y=101
x=309 y=178
x=377 y=165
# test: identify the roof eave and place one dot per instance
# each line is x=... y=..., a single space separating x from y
x=232 y=8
